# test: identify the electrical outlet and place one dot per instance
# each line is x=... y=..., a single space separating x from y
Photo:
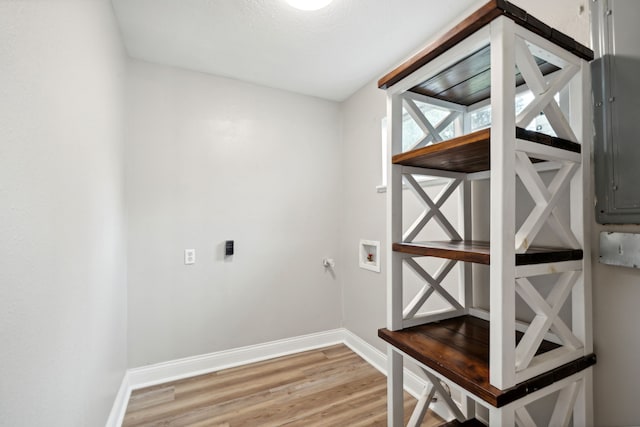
x=189 y=256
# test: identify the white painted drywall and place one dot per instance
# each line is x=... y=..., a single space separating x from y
x=363 y=291
x=62 y=252
x=210 y=159
x=616 y=293
x=616 y=290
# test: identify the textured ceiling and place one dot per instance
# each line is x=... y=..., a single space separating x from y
x=329 y=53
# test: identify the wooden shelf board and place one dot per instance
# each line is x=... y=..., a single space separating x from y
x=472 y=152
x=479 y=252
x=468 y=153
x=469 y=80
x=458 y=349
x=473 y=23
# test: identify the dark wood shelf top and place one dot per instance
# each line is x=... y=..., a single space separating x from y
x=473 y=23
x=471 y=152
x=458 y=349
x=478 y=252
x=469 y=80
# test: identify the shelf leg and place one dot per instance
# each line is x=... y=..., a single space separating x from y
x=465 y=290
x=503 y=195
x=468 y=407
x=394 y=214
x=502 y=417
x=395 y=389
x=583 y=407
x=581 y=207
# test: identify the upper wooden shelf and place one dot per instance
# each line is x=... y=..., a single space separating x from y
x=479 y=252
x=458 y=349
x=469 y=80
x=473 y=23
x=471 y=153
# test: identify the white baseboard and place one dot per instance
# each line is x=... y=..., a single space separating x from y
x=197 y=365
x=116 y=416
x=173 y=370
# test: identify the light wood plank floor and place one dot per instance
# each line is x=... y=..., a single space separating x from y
x=327 y=387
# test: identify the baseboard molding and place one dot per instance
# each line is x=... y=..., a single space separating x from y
x=173 y=370
x=197 y=365
x=159 y=373
x=116 y=416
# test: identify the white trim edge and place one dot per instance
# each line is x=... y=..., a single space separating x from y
x=197 y=365
x=116 y=416
x=173 y=370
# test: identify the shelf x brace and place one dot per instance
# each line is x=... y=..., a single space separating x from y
x=433 y=284
x=427 y=396
x=562 y=410
x=560 y=417
x=523 y=418
x=546 y=317
x=546 y=199
x=431 y=132
x=543 y=92
x=432 y=209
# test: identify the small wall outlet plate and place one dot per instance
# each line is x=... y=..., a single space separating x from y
x=228 y=248
x=189 y=256
x=369 y=255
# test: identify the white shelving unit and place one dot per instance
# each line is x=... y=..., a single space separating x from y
x=488 y=63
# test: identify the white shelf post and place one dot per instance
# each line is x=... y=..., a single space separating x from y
x=502 y=268
x=465 y=284
x=395 y=382
x=581 y=211
x=395 y=388
x=394 y=214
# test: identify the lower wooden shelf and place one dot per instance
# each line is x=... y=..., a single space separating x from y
x=478 y=252
x=458 y=349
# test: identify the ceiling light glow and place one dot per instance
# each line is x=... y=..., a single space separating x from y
x=309 y=4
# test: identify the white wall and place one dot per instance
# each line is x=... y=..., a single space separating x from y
x=62 y=262
x=210 y=159
x=616 y=290
x=364 y=292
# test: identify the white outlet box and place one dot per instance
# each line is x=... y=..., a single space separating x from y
x=189 y=256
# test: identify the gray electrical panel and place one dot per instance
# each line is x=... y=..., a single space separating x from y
x=616 y=90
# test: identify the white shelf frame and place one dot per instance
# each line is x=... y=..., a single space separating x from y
x=509 y=364
x=574 y=389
